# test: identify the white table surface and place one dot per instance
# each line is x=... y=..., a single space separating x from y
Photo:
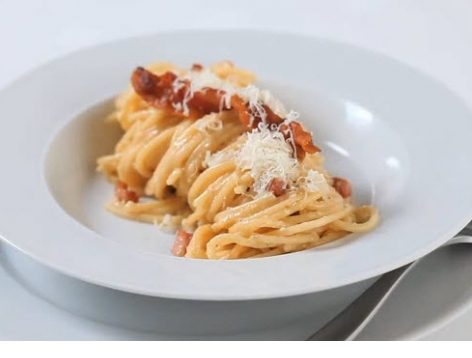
x=432 y=35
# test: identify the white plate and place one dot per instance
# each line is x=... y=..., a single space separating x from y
x=39 y=304
x=399 y=135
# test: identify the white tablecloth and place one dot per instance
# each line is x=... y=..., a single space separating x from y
x=433 y=35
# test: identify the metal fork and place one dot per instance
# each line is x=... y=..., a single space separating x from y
x=352 y=320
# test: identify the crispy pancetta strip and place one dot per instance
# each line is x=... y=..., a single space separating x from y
x=342 y=186
x=160 y=92
x=123 y=194
x=182 y=239
x=278 y=186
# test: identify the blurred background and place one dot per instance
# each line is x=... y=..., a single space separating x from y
x=430 y=34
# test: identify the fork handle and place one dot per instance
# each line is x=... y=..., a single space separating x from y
x=349 y=322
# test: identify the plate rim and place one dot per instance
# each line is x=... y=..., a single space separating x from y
x=368 y=274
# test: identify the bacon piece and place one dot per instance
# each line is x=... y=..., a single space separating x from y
x=197 y=67
x=182 y=239
x=161 y=92
x=342 y=186
x=158 y=91
x=303 y=140
x=123 y=194
x=277 y=186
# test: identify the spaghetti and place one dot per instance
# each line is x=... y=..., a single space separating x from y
x=207 y=152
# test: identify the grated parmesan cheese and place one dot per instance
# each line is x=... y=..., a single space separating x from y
x=267 y=155
x=210 y=122
x=168 y=224
x=313 y=180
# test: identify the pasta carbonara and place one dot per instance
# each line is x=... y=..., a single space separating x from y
x=208 y=154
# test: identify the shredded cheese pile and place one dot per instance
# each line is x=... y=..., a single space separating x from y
x=267 y=156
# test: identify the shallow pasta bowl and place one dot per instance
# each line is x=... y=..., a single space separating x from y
x=402 y=138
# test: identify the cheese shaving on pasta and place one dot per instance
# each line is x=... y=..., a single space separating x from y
x=210 y=123
x=268 y=156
